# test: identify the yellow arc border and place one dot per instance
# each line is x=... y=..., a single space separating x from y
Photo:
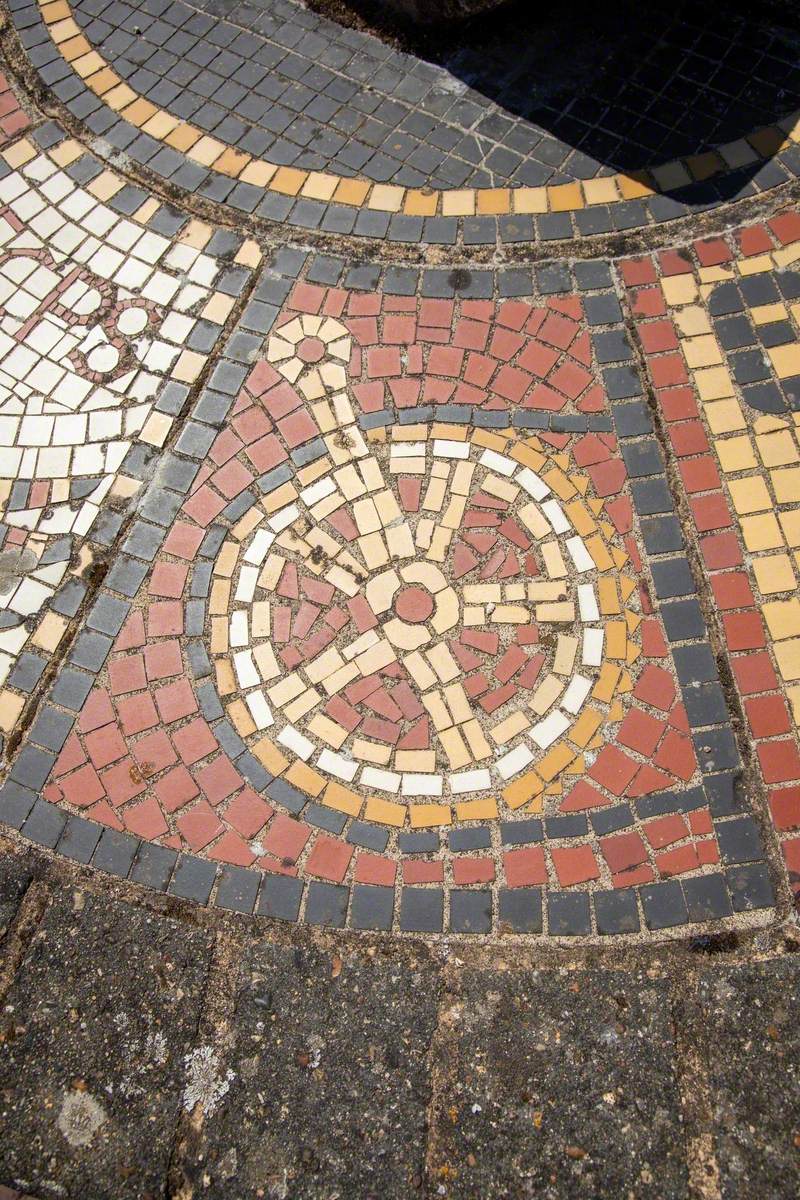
x=206 y=151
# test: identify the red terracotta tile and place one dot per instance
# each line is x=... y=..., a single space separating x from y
x=126 y=674
x=82 y=787
x=663 y=831
x=623 y=851
x=329 y=859
x=640 y=731
x=145 y=819
x=286 y=838
x=420 y=871
x=219 y=779
x=199 y=826
x=175 y=789
x=105 y=745
x=768 y=716
x=374 y=869
x=98 y=710
x=122 y=782
x=137 y=713
x=677 y=862
x=175 y=700
x=232 y=848
x=467 y=871
x=613 y=769
x=744 y=631
x=194 y=741
x=574 y=864
x=780 y=760
x=525 y=866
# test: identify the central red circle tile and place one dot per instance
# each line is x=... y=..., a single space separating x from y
x=311 y=350
x=413 y=604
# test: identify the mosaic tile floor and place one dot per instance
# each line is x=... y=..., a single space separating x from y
x=424 y=596
x=278 y=112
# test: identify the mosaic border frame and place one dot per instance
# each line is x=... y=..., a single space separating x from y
x=338 y=205
x=668 y=904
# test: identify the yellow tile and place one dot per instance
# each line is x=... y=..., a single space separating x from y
x=735 y=454
x=288 y=181
x=231 y=163
x=352 y=191
x=160 y=124
x=342 y=799
x=790 y=524
x=714 y=383
x=564 y=197
x=774 y=573
x=679 y=289
x=761 y=533
x=601 y=191
x=146 y=211
x=521 y=790
x=385 y=812
x=702 y=351
x=768 y=141
x=530 y=199
x=76 y=47
x=50 y=632
x=785 y=359
x=386 y=198
x=105 y=186
x=20 y=152
x=712 y=275
x=102 y=81
x=703 y=166
x=423 y=816
x=320 y=186
x=692 y=321
x=57 y=11
x=63 y=31
x=755 y=265
x=206 y=151
x=183 y=137
x=119 y=97
x=777 y=449
x=483 y=809
x=10 y=708
x=458 y=203
x=196 y=234
x=66 y=153
x=786 y=482
x=788 y=658
x=554 y=761
x=270 y=756
x=140 y=111
x=493 y=200
x=307 y=780
x=783 y=618
x=91 y=65
x=750 y=495
x=635 y=185
x=258 y=173
x=420 y=204
x=762 y=314
x=724 y=416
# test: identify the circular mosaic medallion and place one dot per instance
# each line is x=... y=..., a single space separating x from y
x=452 y=622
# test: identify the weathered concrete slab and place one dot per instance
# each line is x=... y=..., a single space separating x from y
x=15 y=875
x=329 y=1088
x=561 y=1084
x=752 y=1020
x=93 y=1034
